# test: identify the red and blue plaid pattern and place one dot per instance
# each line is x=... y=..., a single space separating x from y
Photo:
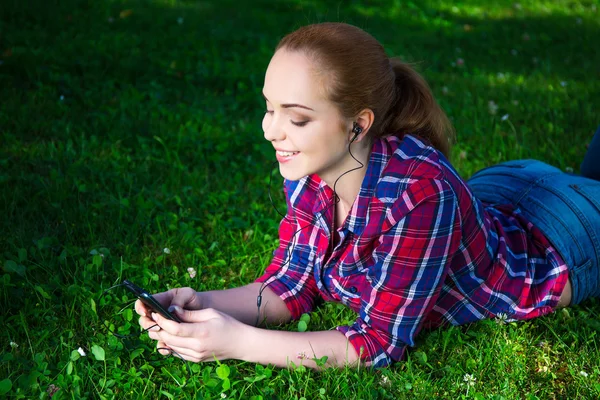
x=416 y=250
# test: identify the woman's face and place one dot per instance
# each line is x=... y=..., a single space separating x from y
x=304 y=128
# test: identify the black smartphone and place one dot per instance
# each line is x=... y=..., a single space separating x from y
x=150 y=301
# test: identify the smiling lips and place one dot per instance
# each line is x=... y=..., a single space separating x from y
x=285 y=156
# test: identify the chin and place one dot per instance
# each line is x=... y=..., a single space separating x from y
x=292 y=174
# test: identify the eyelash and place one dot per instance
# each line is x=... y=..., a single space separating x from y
x=299 y=124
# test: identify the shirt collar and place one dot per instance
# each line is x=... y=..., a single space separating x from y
x=381 y=152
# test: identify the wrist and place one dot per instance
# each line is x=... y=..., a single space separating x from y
x=246 y=342
x=203 y=300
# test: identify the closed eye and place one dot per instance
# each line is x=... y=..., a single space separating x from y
x=301 y=123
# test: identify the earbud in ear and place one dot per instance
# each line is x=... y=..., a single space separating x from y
x=357 y=130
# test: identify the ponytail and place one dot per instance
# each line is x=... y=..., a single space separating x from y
x=416 y=111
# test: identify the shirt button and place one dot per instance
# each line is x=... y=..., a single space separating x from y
x=353 y=290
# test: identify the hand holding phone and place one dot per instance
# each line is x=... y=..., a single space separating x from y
x=149 y=301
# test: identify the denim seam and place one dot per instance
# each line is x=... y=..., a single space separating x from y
x=564 y=226
x=579 y=214
x=533 y=184
x=520 y=195
x=593 y=237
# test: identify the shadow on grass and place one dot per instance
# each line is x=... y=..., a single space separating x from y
x=170 y=95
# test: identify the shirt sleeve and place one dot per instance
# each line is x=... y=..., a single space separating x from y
x=410 y=264
x=290 y=273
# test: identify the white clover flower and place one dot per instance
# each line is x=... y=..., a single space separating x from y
x=62 y=98
x=492 y=107
x=504 y=117
x=579 y=21
x=445 y=89
x=469 y=379
x=569 y=170
x=166 y=250
x=223 y=395
x=180 y=20
x=13 y=345
x=81 y=352
x=501 y=318
x=385 y=381
x=517 y=6
x=514 y=52
x=583 y=373
x=192 y=272
x=563 y=83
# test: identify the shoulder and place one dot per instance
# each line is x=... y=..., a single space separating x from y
x=413 y=166
x=415 y=174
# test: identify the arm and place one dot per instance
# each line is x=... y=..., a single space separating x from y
x=240 y=303
x=208 y=334
x=280 y=347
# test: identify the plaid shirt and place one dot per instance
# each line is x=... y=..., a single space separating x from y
x=416 y=250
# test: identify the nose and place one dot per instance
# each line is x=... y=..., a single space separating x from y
x=272 y=129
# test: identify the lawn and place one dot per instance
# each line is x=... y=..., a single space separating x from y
x=131 y=148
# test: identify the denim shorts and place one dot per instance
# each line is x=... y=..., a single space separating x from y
x=565 y=207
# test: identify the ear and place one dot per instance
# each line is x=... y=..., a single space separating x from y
x=365 y=119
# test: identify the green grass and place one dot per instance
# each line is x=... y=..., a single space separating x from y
x=121 y=137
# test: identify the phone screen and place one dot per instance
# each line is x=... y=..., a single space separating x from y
x=150 y=301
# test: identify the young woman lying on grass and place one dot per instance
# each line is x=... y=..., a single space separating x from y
x=379 y=220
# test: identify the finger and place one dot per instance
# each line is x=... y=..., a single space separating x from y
x=139 y=308
x=186 y=353
x=162 y=348
x=176 y=328
x=181 y=297
x=148 y=324
x=192 y=343
x=196 y=315
x=164 y=298
x=153 y=335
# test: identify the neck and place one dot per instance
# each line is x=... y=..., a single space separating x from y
x=348 y=186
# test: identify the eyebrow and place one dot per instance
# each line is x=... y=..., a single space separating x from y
x=291 y=105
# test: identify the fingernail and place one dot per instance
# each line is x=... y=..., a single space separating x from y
x=176 y=309
x=155 y=328
x=155 y=316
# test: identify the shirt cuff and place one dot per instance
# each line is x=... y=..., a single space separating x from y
x=368 y=345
